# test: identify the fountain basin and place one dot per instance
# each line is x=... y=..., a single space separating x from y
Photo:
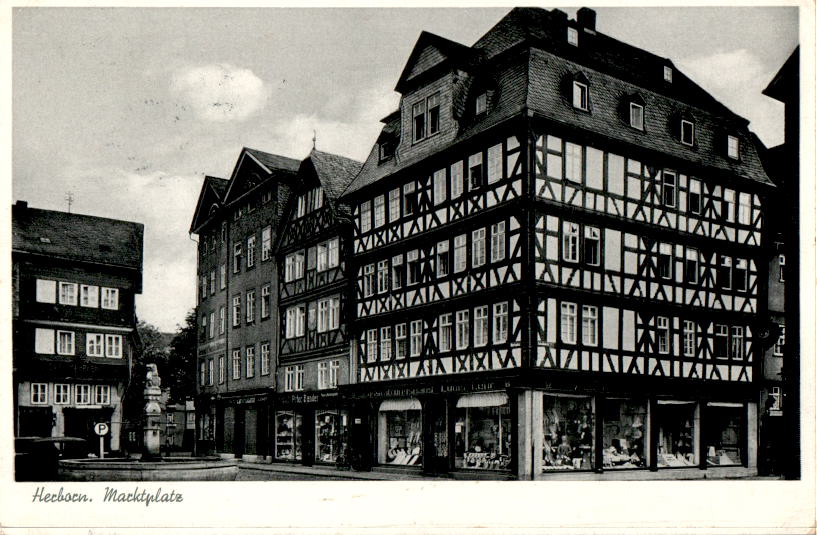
x=162 y=469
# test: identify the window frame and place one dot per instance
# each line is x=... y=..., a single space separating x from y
x=639 y=124
x=59 y=349
x=500 y=323
x=572 y=36
x=568 y=322
x=732 y=147
x=581 y=100
x=691 y=141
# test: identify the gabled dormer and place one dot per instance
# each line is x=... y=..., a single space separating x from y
x=209 y=203
x=432 y=55
x=253 y=168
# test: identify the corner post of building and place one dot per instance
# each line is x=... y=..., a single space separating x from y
x=652 y=449
x=599 y=401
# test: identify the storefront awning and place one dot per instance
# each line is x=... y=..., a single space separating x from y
x=725 y=404
x=483 y=399
x=401 y=404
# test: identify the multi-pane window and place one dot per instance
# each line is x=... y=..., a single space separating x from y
x=724 y=273
x=295 y=321
x=580 y=96
x=299 y=377
x=573 y=162
x=744 y=208
x=394 y=205
x=212 y=324
x=222 y=272
x=568 y=323
x=323 y=375
x=691 y=265
x=442 y=258
x=210 y=372
x=265 y=358
x=236 y=258
x=590 y=325
x=460 y=253
x=328 y=314
x=481 y=103
x=433 y=107
x=409 y=198
x=687 y=132
x=62 y=394
x=39 y=393
x=293 y=266
x=322 y=256
x=212 y=281
x=729 y=205
x=741 y=274
x=498 y=241
x=480 y=326
x=221 y=319
x=289 y=379
x=780 y=344
x=379 y=211
x=445 y=333
x=663 y=334
x=110 y=298
x=413 y=264
x=68 y=293
x=113 y=346
x=65 y=343
x=668 y=188
x=500 y=323
x=334 y=372
x=440 y=191
x=368 y=280
x=371 y=345
x=475 y=170
x=570 y=241
x=694 y=204
x=366 y=216
x=94 y=345
x=236 y=361
x=250 y=251
x=333 y=252
x=265 y=301
x=222 y=369
x=385 y=343
x=250 y=306
x=383 y=276
x=636 y=115
x=463 y=331
x=236 y=310
x=737 y=349
x=416 y=338
x=732 y=147
x=202 y=373
x=721 y=348
x=478 y=247
x=667 y=73
x=573 y=36
x=592 y=246
x=665 y=260
x=88 y=296
x=456 y=179
x=102 y=394
x=690 y=341
x=82 y=394
x=250 y=362
x=203 y=287
x=418 y=113
x=266 y=243
x=400 y=340
x=398 y=272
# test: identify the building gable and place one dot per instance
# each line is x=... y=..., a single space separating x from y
x=253 y=168
x=211 y=190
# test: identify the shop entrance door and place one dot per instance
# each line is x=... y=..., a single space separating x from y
x=437 y=445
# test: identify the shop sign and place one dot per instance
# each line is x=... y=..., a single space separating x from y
x=474 y=386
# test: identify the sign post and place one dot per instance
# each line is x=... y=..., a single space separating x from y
x=101 y=429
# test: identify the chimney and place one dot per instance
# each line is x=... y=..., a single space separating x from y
x=586 y=18
x=22 y=205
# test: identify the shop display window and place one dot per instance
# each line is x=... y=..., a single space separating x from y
x=400 y=432
x=288 y=433
x=677 y=434
x=625 y=433
x=568 y=429
x=331 y=435
x=724 y=432
x=482 y=432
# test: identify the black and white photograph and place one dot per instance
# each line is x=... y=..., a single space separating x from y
x=406 y=254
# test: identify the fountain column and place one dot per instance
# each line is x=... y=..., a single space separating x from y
x=153 y=413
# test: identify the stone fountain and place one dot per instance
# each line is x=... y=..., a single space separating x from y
x=151 y=466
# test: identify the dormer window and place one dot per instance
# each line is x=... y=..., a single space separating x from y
x=687 y=132
x=573 y=36
x=733 y=147
x=580 y=96
x=667 y=74
x=386 y=148
x=637 y=115
x=481 y=104
x=426 y=117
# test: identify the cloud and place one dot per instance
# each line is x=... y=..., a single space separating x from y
x=737 y=78
x=220 y=92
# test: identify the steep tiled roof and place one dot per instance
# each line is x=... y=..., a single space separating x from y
x=274 y=161
x=335 y=172
x=531 y=81
x=77 y=237
x=213 y=190
x=219 y=185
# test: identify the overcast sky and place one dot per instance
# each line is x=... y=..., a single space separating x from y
x=129 y=108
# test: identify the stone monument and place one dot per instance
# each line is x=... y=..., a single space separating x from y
x=153 y=412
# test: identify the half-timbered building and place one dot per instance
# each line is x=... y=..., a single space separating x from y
x=559 y=263
x=311 y=421
x=74 y=280
x=237 y=222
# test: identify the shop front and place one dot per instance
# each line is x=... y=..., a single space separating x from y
x=242 y=426
x=311 y=428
